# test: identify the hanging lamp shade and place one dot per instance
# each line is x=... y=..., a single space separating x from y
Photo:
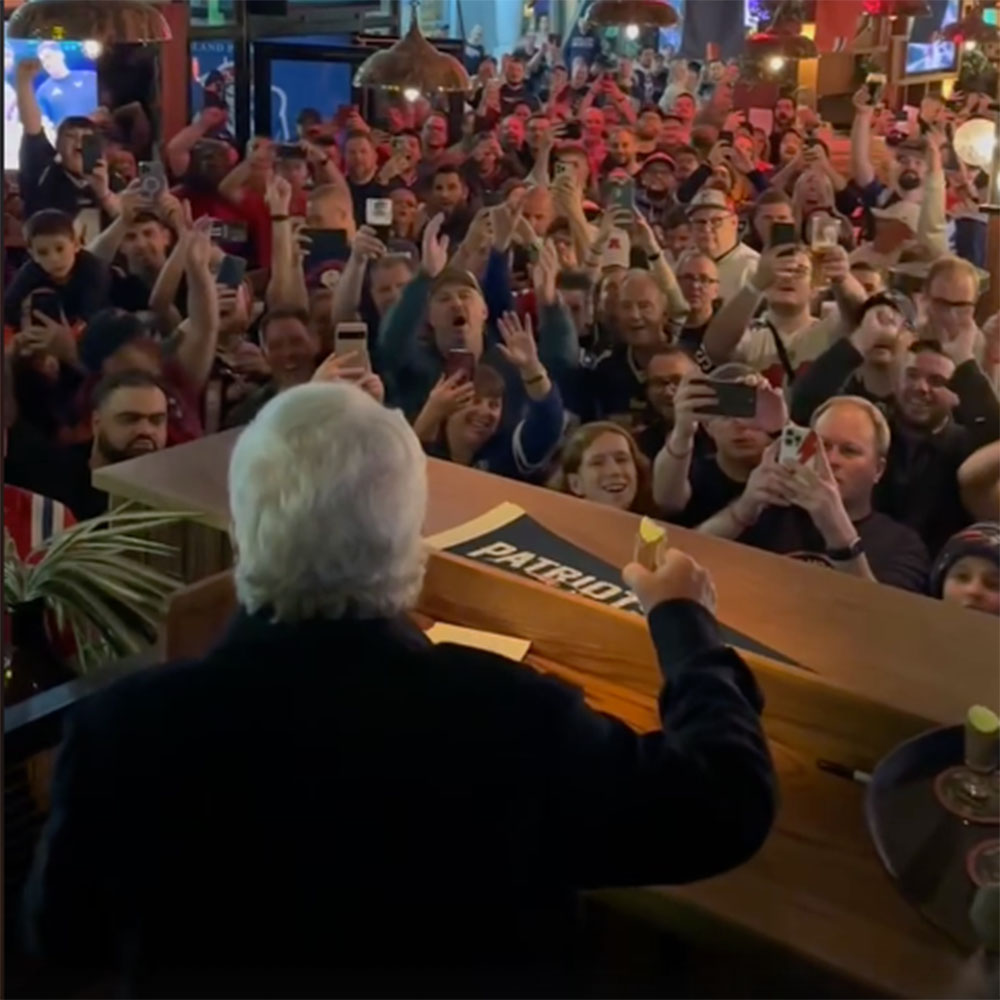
x=644 y=13
x=975 y=141
x=111 y=22
x=971 y=28
x=412 y=64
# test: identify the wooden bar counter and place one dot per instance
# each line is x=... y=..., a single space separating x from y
x=877 y=665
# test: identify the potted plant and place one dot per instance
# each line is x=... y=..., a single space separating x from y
x=82 y=598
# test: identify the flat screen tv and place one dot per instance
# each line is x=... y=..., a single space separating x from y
x=926 y=51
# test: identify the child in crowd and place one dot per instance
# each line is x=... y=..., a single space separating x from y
x=967 y=571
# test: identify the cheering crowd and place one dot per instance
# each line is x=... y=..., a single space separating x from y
x=598 y=277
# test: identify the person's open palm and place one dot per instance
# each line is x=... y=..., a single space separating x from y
x=450 y=394
x=505 y=220
x=434 y=247
x=545 y=272
x=518 y=346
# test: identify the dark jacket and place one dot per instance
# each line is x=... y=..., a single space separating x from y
x=372 y=814
x=920 y=485
x=411 y=364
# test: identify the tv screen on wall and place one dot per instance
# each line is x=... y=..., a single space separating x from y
x=66 y=86
x=926 y=50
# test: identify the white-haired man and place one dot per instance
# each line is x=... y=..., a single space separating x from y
x=328 y=801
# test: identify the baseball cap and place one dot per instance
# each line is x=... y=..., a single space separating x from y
x=710 y=198
x=982 y=539
x=658 y=158
x=455 y=276
x=895 y=300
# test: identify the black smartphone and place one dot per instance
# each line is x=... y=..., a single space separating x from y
x=326 y=245
x=231 y=271
x=735 y=399
x=726 y=136
x=46 y=302
x=573 y=130
x=620 y=194
x=93 y=151
x=460 y=359
x=783 y=234
x=290 y=151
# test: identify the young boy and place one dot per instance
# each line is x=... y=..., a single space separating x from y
x=62 y=284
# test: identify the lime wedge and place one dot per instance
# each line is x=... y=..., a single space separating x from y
x=983 y=720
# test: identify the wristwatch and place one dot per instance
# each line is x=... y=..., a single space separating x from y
x=846 y=554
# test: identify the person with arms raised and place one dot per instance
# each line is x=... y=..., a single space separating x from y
x=459 y=318
x=438 y=768
x=462 y=420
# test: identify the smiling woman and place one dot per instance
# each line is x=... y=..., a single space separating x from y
x=602 y=463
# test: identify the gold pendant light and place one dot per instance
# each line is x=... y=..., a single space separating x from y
x=644 y=13
x=110 y=22
x=413 y=66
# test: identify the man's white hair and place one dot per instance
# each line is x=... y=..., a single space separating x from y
x=328 y=491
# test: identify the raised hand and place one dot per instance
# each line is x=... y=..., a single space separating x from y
x=544 y=274
x=519 y=346
x=52 y=336
x=880 y=326
x=434 y=247
x=132 y=202
x=366 y=245
x=278 y=195
x=213 y=118
x=200 y=243
x=834 y=264
x=449 y=394
x=505 y=219
x=98 y=179
x=694 y=394
x=173 y=212
x=249 y=359
x=770 y=265
x=677 y=577
x=340 y=368
x=817 y=493
x=767 y=486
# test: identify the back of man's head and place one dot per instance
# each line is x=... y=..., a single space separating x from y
x=328 y=491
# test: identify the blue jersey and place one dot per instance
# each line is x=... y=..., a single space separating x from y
x=74 y=94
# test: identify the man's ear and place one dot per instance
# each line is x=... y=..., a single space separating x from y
x=95 y=423
x=879 y=469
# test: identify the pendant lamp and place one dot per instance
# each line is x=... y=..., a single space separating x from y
x=111 y=22
x=783 y=37
x=643 y=13
x=413 y=65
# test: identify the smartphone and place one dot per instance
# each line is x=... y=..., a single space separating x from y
x=735 y=399
x=152 y=180
x=783 y=234
x=290 y=151
x=573 y=130
x=327 y=245
x=93 y=151
x=231 y=271
x=378 y=211
x=620 y=194
x=460 y=359
x=562 y=167
x=46 y=302
x=725 y=136
x=352 y=339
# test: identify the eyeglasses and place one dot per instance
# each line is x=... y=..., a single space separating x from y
x=715 y=224
x=698 y=279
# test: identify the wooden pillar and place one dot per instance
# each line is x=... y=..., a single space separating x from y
x=175 y=71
